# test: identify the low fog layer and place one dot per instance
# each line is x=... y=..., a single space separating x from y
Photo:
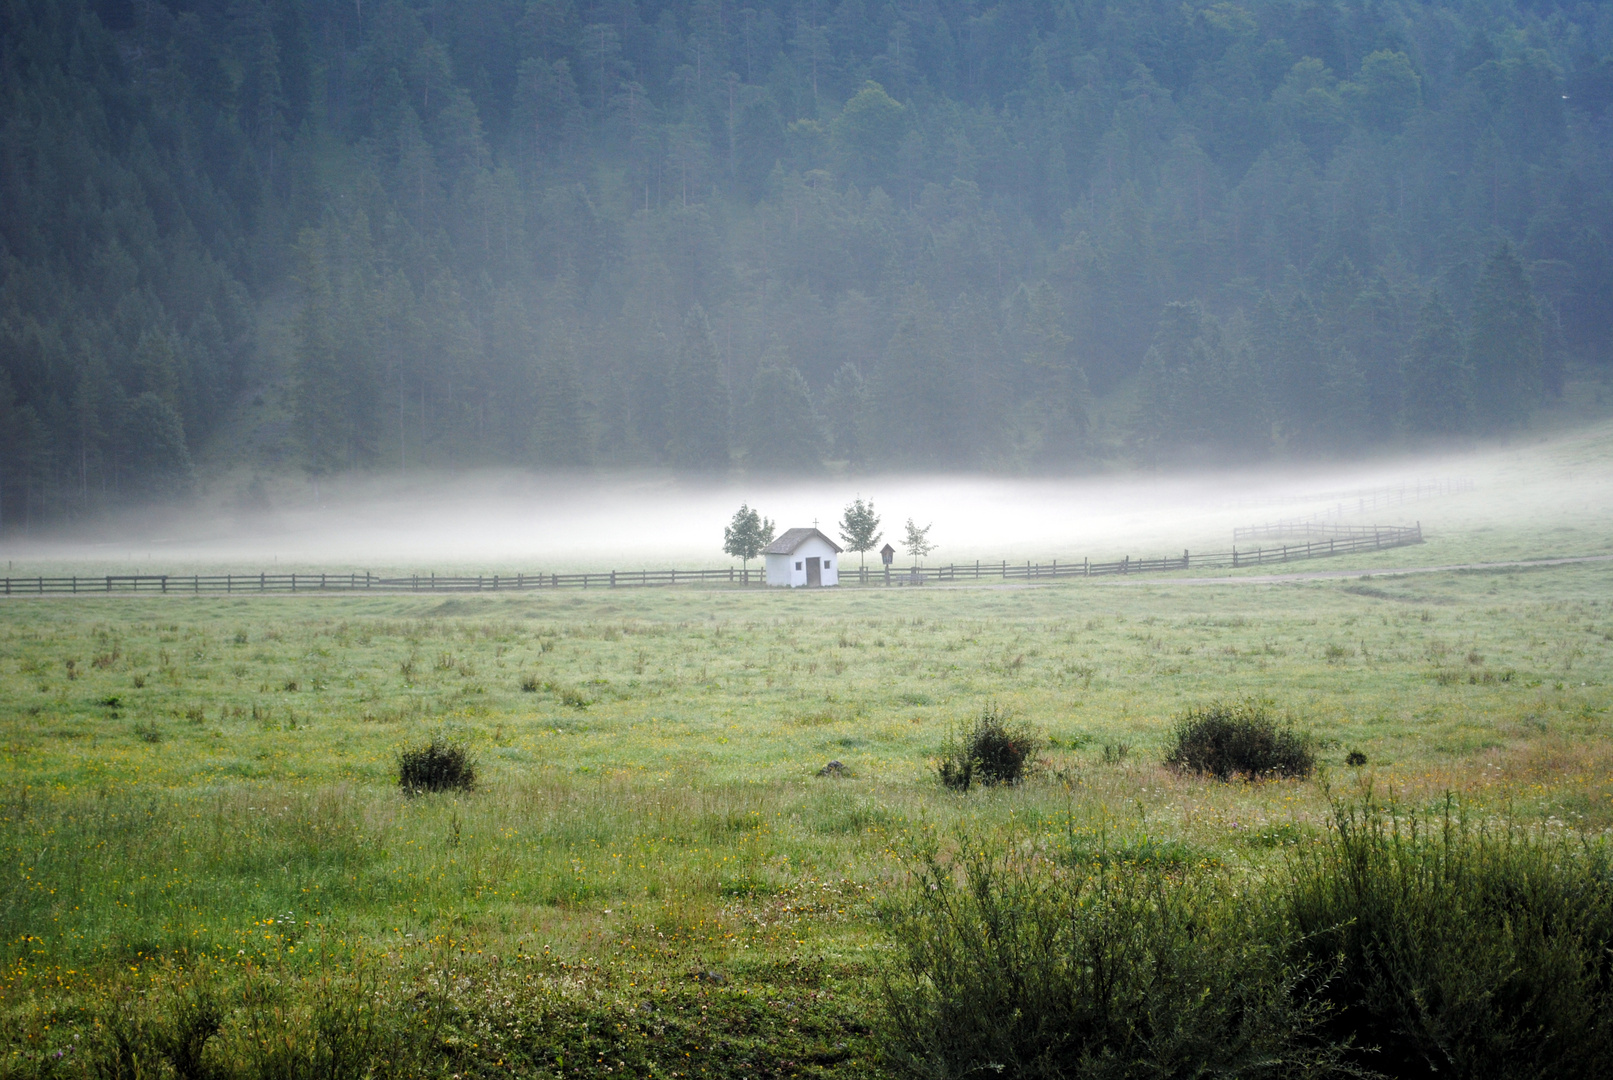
x=1558 y=489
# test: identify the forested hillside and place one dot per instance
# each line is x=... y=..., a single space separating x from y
x=710 y=235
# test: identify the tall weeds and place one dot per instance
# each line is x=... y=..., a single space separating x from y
x=1402 y=945
x=1464 y=948
x=1031 y=965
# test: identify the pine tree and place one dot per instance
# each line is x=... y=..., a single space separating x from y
x=1058 y=382
x=845 y=411
x=782 y=429
x=1200 y=392
x=1504 y=343
x=153 y=448
x=915 y=415
x=1165 y=412
x=559 y=435
x=698 y=400
x=1437 y=379
x=1303 y=376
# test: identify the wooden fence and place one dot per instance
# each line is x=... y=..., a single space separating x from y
x=1374 y=539
x=1306 y=530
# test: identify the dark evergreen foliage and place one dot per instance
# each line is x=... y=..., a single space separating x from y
x=390 y=235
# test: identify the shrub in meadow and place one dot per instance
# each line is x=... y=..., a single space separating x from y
x=1238 y=739
x=438 y=765
x=993 y=750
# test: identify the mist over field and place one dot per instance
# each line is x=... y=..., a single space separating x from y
x=1554 y=494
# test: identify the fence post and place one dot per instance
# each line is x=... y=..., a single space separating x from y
x=613 y=579
x=1086 y=566
x=1234 y=557
x=263 y=582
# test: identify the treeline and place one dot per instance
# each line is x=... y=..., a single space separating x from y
x=941 y=235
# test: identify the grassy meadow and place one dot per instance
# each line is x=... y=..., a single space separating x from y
x=201 y=825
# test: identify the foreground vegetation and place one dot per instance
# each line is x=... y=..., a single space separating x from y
x=210 y=868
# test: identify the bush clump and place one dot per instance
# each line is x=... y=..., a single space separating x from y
x=1242 y=739
x=994 y=750
x=438 y=765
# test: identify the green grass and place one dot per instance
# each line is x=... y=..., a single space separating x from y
x=199 y=796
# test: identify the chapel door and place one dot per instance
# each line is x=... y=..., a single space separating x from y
x=814 y=572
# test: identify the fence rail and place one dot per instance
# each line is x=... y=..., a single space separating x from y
x=1305 y=530
x=1367 y=539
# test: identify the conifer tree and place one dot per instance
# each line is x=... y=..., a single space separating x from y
x=845 y=412
x=914 y=411
x=698 y=400
x=1438 y=381
x=782 y=429
x=559 y=434
x=1504 y=342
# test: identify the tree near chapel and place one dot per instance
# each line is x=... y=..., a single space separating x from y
x=746 y=536
x=917 y=541
x=859 y=528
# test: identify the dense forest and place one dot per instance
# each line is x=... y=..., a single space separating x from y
x=764 y=234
